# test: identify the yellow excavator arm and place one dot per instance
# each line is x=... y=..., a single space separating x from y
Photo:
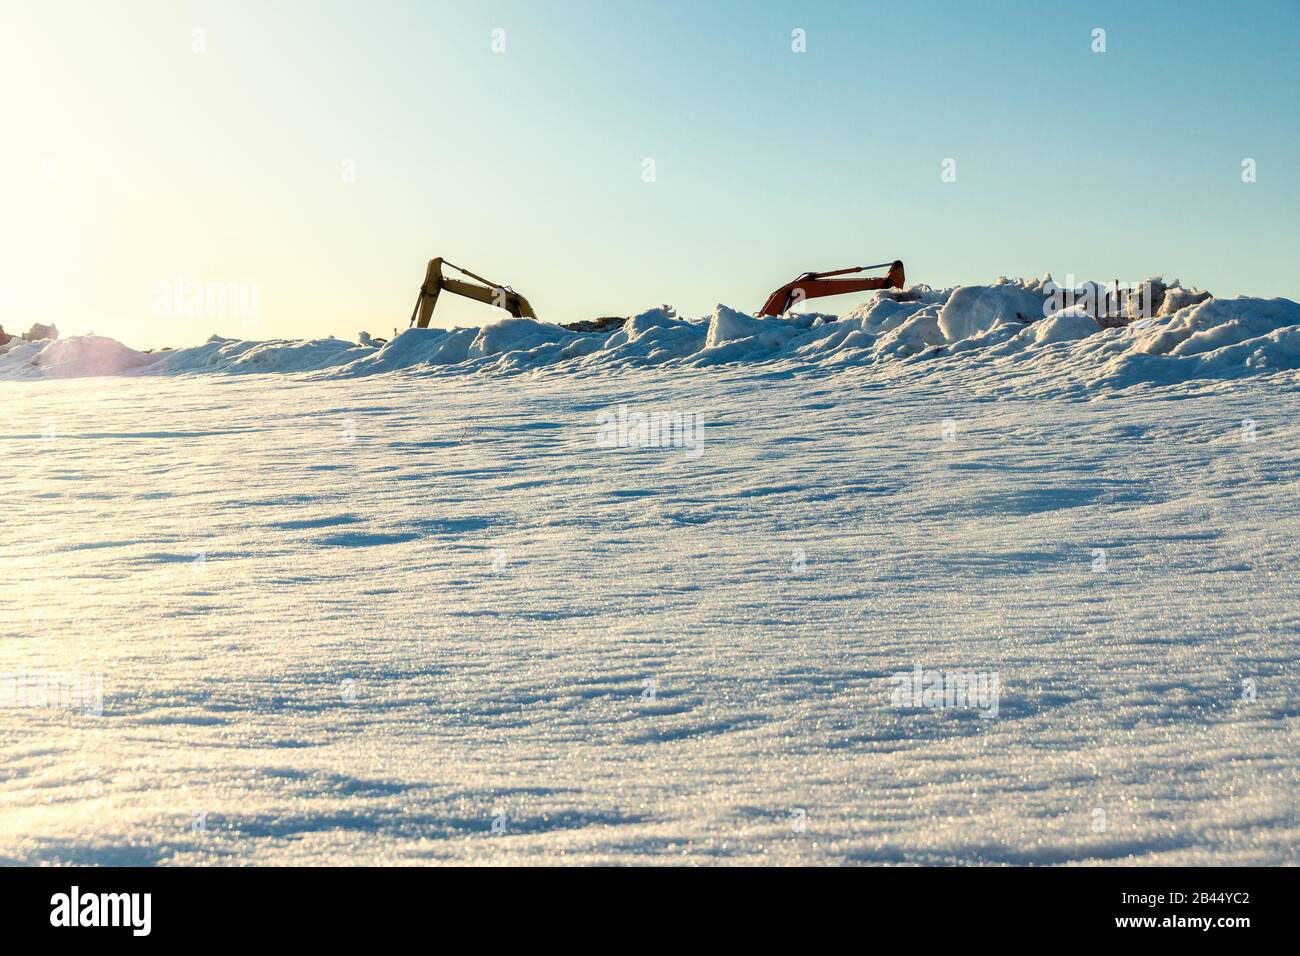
x=503 y=297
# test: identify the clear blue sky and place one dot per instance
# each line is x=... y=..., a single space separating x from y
x=131 y=159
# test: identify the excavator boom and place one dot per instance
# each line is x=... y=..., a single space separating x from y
x=814 y=285
x=810 y=285
x=503 y=297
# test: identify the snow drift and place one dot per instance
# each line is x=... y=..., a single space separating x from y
x=1006 y=331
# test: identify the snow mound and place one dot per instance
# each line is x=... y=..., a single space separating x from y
x=515 y=335
x=1067 y=325
x=283 y=355
x=1215 y=324
x=728 y=327
x=1014 y=334
x=912 y=335
x=76 y=357
x=972 y=310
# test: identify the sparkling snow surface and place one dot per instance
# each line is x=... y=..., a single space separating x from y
x=423 y=616
x=219 y=551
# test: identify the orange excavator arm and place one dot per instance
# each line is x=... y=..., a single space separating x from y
x=814 y=285
x=503 y=297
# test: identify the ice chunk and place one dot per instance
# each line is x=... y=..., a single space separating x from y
x=971 y=310
x=1066 y=325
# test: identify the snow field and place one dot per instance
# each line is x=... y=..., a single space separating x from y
x=427 y=616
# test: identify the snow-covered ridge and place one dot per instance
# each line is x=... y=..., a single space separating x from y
x=1007 y=330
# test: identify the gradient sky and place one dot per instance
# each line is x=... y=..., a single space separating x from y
x=129 y=159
